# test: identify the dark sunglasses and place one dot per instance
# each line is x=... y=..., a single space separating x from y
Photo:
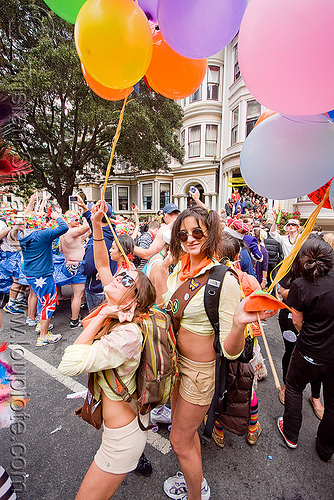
x=127 y=281
x=291 y=224
x=196 y=233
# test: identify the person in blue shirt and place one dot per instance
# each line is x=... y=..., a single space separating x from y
x=36 y=246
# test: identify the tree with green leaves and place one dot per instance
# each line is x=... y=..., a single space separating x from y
x=65 y=130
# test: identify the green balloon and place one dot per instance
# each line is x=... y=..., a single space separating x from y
x=66 y=9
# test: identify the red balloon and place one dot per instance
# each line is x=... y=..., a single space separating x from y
x=318 y=195
x=171 y=74
x=105 y=92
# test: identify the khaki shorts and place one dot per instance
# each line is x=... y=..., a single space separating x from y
x=121 y=448
x=197 y=380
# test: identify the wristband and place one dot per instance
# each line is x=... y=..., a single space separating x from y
x=94 y=239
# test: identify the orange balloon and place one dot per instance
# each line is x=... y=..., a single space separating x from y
x=105 y=92
x=171 y=74
x=265 y=115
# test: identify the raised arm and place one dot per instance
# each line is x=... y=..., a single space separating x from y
x=195 y=196
x=135 y=215
x=101 y=256
x=31 y=203
x=155 y=247
x=43 y=203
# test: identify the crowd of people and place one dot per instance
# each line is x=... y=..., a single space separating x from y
x=121 y=278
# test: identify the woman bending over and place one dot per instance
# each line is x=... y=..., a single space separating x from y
x=112 y=338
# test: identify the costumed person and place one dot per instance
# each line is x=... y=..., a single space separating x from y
x=146 y=239
x=169 y=213
x=275 y=255
x=290 y=334
x=71 y=245
x=36 y=246
x=261 y=268
x=127 y=245
x=288 y=240
x=240 y=230
x=248 y=284
x=93 y=287
x=112 y=338
x=196 y=238
x=311 y=298
x=11 y=259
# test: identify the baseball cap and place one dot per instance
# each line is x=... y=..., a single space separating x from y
x=169 y=208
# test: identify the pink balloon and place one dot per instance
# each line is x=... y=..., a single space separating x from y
x=286 y=53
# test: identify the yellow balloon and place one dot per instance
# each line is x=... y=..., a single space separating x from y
x=114 y=41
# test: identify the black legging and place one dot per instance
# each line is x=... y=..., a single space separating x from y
x=286 y=324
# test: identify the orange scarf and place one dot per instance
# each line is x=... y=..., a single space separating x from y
x=185 y=273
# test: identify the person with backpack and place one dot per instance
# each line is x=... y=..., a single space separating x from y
x=195 y=242
x=112 y=338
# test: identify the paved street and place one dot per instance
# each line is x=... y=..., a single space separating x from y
x=52 y=448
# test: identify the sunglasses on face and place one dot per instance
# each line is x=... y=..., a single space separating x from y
x=127 y=280
x=196 y=233
x=291 y=225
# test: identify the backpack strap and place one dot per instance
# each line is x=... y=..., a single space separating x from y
x=211 y=299
x=182 y=296
x=211 y=303
x=126 y=396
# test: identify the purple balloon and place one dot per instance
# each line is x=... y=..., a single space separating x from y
x=288 y=156
x=150 y=8
x=200 y=28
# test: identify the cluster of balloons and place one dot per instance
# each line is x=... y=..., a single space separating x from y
x=119 y=41
x=283 y=48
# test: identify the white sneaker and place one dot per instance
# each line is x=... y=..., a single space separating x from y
x=49 y=339
x=161 y=415
x=31 y=322
x=176 y=487
x=38 y=327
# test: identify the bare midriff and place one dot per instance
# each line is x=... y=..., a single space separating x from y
x=195 y=347
x=116 y=414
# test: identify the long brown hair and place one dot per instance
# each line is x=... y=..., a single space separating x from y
x=145 y=297
x=209 y=219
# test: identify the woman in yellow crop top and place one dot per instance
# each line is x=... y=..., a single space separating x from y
x=112 y=338
x=196 y=239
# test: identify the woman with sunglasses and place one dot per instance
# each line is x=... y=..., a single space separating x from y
x=195 y=242
x=112 y=338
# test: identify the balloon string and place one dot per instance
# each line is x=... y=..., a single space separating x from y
x=117 y=241
x=115 y=139
x=288 y=261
